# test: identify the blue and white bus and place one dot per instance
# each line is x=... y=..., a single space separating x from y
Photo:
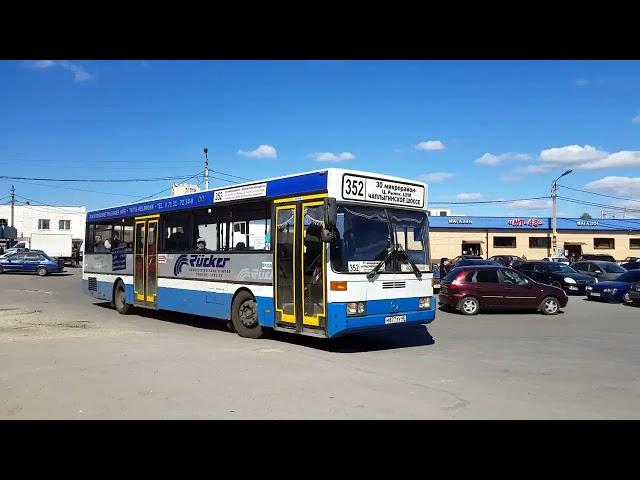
x=323 y=253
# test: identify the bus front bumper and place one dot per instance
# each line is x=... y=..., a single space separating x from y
x=381 y=314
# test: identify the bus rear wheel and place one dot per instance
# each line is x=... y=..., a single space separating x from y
x=120 y=299
x=244 y=316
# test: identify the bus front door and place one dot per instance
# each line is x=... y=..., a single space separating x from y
x=145 y=264
x=300 y=267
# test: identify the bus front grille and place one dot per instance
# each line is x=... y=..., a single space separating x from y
x=394 y=284
x=93 y=284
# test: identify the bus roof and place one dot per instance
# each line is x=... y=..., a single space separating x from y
x=331 y=180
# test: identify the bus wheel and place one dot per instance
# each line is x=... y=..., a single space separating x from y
x=120 y=299
x=244 y=316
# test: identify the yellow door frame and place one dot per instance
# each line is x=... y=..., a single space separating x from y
x=313 y=320
x=151 y=298
x=285 y=317
x=139 y=297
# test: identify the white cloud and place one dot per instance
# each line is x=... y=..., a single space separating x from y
x=636 y=119
x=616 y=185
x=435 y=177
x=469 y=196
x=624 y=158
x=582 y=82
x=263 y=151
x=332 y=157
x=79 y=73
x=430 y=145
x=530 y=204
x=491 y=159
x=572 y=154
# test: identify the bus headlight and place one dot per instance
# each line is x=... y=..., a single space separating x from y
x=424 y=303
x=356 y=308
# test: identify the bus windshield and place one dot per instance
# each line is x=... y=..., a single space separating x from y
x=365 y=235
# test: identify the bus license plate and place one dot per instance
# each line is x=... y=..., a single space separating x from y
x=395 y=319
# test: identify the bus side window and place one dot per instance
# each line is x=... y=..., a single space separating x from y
x=177 y=232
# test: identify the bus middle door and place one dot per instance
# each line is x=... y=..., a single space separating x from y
x=145 y=264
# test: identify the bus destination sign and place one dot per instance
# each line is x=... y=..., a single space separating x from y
x=379 y=190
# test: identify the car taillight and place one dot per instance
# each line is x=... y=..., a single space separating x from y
x=456 y=283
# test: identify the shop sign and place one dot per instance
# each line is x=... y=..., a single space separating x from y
x=587 y=223
x=465 y=221
x=521 y=222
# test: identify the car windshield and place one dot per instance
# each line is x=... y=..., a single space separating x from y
x=365 y=235
x=629 y=277
x=613 y=268
x=560 y=268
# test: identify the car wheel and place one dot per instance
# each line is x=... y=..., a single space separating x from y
x=244 y=316
x=1 y=270
x=120 y=299
x=42 y=271
x=469 y=306
x=626 y=299
x=550 y=306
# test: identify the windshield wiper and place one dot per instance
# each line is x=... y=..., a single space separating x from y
x=397 y=248
x=375 y=270
x=416 y=270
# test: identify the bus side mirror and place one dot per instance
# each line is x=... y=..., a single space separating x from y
x=330 y=212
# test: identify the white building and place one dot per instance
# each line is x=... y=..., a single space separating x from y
x=183 y=189
x=443 y=212
x=30 y=219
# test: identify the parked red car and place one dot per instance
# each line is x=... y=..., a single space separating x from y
x=474 y=288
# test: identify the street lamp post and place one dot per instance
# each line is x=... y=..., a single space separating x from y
x=554 y=217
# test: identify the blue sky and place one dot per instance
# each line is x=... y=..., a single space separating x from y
x=490 y=129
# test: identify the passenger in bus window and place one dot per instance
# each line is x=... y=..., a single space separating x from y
x=115 y=241
x=98 y=246
x=201 y=246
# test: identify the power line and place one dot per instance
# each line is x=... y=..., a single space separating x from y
x=76 y=189
x=600 y=205
x=44 y=203
x=94 y=180
x=233 y=176
x=488 y=201
x=599 y=194
x=169 y=188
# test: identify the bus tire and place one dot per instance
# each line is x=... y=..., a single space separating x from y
x=244 y=316
x=120 y=299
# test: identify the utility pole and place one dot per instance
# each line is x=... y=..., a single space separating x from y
x=206 y=169
x=13 y=202
x=554 y=218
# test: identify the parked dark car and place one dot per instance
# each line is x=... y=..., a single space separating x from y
x=616 y=290
x=506 y=260
x=454 y=261
x=631 y=259
x=557 y=274
x=474 y=288
x=630 y=265
x=468 y=262
x=603 y=271
x=595 y=256
x=634 y=293
x=32 y=261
